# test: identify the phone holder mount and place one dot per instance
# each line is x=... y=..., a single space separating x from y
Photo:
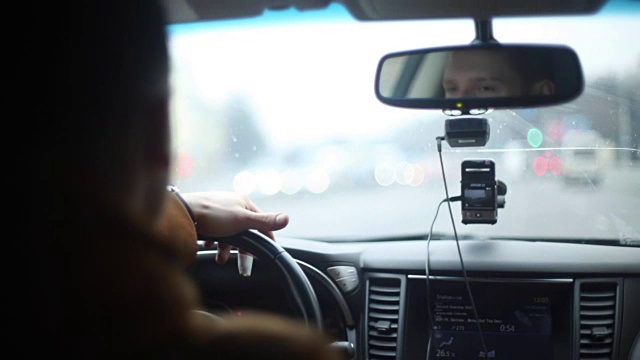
x=481 y=193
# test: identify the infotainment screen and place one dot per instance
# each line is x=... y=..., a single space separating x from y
x=518 y=321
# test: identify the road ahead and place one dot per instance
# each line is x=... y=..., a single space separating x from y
x=535 y=207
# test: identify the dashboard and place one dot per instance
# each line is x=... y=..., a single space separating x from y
x=514 y=299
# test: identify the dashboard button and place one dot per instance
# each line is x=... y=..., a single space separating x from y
x=348 y=283
x=339 y=272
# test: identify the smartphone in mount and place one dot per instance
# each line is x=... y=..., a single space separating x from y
x=479 y=192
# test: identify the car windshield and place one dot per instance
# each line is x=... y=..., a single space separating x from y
x=282 y=107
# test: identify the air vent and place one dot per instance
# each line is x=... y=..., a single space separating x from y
x=383 y=319
x=597 y=320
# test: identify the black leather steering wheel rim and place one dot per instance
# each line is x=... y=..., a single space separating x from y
x=634 y=354
x=267 y=249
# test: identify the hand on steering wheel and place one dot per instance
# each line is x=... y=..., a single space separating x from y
x=224 y=213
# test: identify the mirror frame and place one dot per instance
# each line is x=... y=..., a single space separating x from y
x=465 y=105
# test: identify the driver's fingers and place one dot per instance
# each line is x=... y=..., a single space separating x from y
x=224 y=250
x=269 y=234
x=245 y=259
x=265 y=223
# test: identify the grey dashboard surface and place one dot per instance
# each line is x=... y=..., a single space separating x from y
x=478 y=255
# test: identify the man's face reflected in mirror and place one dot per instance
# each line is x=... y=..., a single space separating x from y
x=490 y=73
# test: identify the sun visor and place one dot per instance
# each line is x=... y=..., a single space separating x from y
x=479 y=9
x=184 y=11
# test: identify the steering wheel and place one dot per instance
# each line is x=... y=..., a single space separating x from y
x=266 y=249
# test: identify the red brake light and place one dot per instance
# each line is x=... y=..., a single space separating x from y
x=540 y=165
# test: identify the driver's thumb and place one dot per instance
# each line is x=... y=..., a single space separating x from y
x=269 y=221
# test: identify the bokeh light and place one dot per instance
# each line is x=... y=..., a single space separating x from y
x=384 y=174
x=535 y=137
x=540 y=165
x=318 y=181
x=555 y=165
x=244 y=182
x=291 y=182
x=404 y=173
x=270 y=182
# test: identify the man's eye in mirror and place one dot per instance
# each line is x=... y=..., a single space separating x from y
x=525 y=75
x=474 y=89
x=496 y=72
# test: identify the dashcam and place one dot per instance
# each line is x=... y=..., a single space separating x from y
x=466 y=131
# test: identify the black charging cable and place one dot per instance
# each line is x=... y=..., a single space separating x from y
x=453 y=199
x=449 y=200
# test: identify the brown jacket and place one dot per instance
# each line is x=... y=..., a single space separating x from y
x=110 y=290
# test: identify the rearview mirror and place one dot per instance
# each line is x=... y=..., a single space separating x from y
x=479 y=76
